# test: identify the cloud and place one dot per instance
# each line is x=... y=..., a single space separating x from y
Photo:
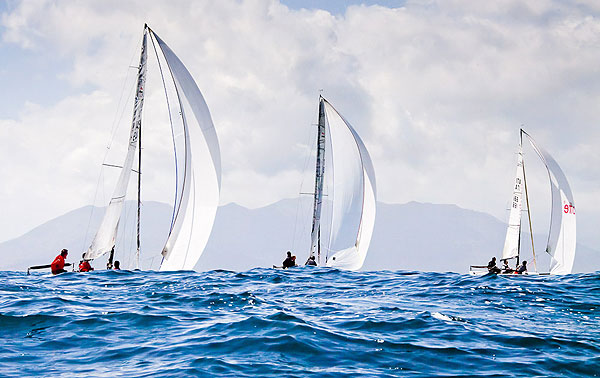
x=438 y=91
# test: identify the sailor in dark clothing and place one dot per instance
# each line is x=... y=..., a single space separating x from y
x=311 y=261
x=290 y=261
x=117 y=265
x=492 y=268
x=523 y=268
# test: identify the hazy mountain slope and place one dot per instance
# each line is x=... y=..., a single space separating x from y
x=412 y=236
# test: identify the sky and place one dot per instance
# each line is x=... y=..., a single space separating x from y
x=437 y=90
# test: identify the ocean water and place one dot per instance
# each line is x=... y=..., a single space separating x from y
x=300 y=322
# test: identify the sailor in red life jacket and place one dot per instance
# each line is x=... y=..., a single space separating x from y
x=58 y=265
x=84 y=265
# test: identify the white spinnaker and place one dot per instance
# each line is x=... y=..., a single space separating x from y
x=105 y=237
x=200 y=191
x=513 y=232
x=562 y=237
x=354 y=188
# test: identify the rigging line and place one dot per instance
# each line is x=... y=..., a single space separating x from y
x=299 y=201
x=87 y=229
x=552 y=194
x=114 y=125
x=171 y=123
x=529 y=216
x=114 y=128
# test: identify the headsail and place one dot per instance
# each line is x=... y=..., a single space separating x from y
x=513 y=233
x=104 y=241
x=354 y=201
x=199 y=194
x=562 y=237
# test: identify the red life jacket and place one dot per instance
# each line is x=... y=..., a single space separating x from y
x=58 y=264
x=85 y=266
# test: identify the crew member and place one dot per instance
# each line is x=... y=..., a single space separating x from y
x=84 y=265
x=506 y=268
x=523 y=268
x=58 y=265
x=117 y=265
x=311 y=261
x=492 y=268
x=290 y=261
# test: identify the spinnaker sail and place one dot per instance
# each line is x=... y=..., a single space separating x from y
x=562 y=236
x=197 y=209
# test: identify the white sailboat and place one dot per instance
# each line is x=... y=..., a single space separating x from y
x=562 y=238
x=198 y=190
x=353 y=198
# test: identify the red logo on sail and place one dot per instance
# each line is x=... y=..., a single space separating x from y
x=568 y=208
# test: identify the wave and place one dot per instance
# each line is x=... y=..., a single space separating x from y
x=298 y=322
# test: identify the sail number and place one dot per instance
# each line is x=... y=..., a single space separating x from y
x=569 y=208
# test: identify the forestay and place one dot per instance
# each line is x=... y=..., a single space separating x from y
x=104 y=240
x=562 y=238
x=199 y=193
x=354 y=201
x=513 y=233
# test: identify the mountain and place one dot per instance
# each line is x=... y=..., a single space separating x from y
x=411 y=236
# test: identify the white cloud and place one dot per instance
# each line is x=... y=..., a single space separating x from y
x=437 y=90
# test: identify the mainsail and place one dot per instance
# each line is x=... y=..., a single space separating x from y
x=513 y=233
x=198 y=195
x=105 y=238
x=353 y=196
x=315 y=235
x=562 y=237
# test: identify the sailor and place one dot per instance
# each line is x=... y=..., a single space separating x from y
x=117 y=265
x=58 y=265
x=290 y=261
x=523 y=268
x=84 y=265
x=492 y=268
x=311 y=261
x=506 y=268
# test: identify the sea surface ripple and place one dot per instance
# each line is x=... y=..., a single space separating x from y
x=298 y=322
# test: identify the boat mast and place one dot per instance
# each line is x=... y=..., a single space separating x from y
x=318 y=196
x=139 y=183
x=528 y=209
x=520 y=223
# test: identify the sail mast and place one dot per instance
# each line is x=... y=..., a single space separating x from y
x=139 y=199
x=318 y=196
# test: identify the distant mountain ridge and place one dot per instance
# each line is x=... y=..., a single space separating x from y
x=411 y=236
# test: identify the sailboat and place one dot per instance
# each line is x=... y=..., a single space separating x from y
x=561 y=242
x=351 y=176
x=197 y=191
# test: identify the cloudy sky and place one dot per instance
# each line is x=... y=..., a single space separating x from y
x=437 y=89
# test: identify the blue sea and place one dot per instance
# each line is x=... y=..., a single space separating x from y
x=303 y=322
